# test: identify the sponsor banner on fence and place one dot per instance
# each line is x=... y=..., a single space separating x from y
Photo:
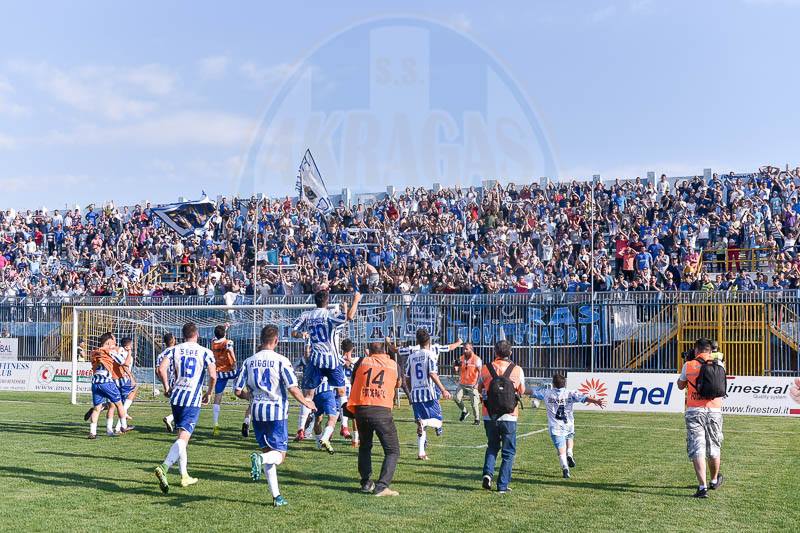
x=56 y=376
x=659 y=393
x=15 y=375
x=9 y=349
x=763 y=396
x=649 y=393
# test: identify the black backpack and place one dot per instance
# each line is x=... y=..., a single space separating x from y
x=501 y=397
x=712 y=381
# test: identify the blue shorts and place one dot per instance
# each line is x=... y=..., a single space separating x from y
x=222 y=380
x=186 y=417
x=560 y=441
x=326 y=403
x=430 y=410
x=105 y=392
x=126 y=387
x=272 y=434
x=312 y=377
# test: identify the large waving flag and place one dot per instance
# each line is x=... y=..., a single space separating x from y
x=187 y=218
x=310 y=184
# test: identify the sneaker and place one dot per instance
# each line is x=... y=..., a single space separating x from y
x=188 y=480
x=718 y=484
x=126 y=430
x=301 y=435
x=92 y=436
x=439 y=432
x=368 y=487
x=215 y=431
x=279 y=501
x=345 y=433
x=167 y=424
x=487 y=482
x=319 y=444
x=422 y=458
x=571 y=461
x=565 y=473
x=476 y=423
x=463 y=416
x=701 y=493
x=111 y=434
x=387 y=492
x=88 y=414
x=326 y=445
x=504 y=491
x=161 y=474
x=256 y=464
x=246 y=431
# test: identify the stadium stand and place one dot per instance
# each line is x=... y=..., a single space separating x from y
x=734 y=232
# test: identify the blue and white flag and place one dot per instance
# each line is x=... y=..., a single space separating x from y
x=187 y=218
x=310 y=185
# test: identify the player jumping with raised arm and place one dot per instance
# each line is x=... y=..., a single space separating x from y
x=225 y=361
x=103 y=387
x=322 y=326
x=559 y=403
x=126 y=383
x=422 y=377
x=266 y=380
x=189 y=362
x=169 y=343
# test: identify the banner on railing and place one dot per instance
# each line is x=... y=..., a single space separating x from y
x=659 y=393
x=9 y=349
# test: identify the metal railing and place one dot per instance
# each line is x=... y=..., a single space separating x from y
x=619 y=331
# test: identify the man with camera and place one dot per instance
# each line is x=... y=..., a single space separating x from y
x=704 y=375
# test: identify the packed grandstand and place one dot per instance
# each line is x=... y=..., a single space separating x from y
x=723 y=232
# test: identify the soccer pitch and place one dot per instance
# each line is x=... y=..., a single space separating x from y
x=632 y=474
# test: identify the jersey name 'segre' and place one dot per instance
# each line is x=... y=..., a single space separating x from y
x=189 y=362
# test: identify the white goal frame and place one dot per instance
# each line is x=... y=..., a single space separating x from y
x=76 y=310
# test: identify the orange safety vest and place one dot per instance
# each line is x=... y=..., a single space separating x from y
x=692 y=398
x=102 y=357
x=468 y=370
x=374 y=382
x=223 y=359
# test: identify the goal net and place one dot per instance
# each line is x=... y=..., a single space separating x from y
x=147 y=325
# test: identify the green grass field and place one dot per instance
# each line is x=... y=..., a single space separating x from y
x=632 y=474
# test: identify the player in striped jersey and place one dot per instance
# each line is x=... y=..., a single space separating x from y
x=323 y=326
x=189 y=363
x=435 y=349
x=126 y=383
x=169 y=343
x=349 y=359
x=325 y=403
x=422 y=377
x=225 y=360
x=266 y=380
x=103 y=387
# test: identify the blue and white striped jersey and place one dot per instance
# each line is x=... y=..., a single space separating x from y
x=124 y=380
x=189 y=363
x=560 y=413
x=435 y=350
x=324 y=328
x=167 y=353
x=101 y=373
x=324 y=386
x=419 y=367
x=269 y=376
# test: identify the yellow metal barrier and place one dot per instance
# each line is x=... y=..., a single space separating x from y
x=736 y=259
x=740 y=329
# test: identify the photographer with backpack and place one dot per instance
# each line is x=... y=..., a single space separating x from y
x=502 y=383
x=704 y=375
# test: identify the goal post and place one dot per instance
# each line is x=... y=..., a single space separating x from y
x=146 y=325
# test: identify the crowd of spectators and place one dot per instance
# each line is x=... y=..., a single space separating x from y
x=730 y=232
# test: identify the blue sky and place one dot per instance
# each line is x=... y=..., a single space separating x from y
x=154 y=100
